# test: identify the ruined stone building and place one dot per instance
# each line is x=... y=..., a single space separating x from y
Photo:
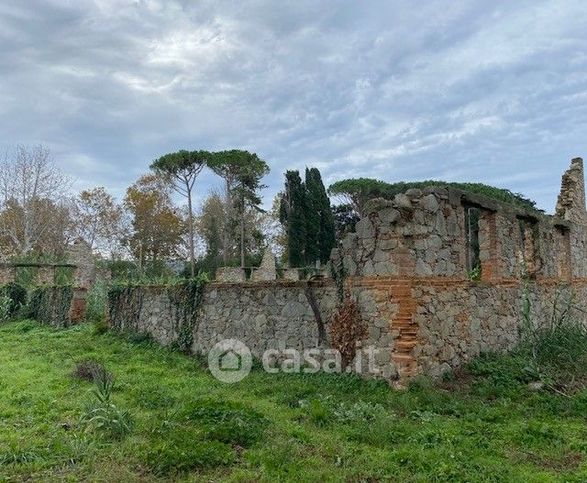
x=440 y=275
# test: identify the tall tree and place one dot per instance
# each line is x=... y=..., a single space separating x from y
x=181 y=169
x=321 y=210
x=312 y=204
x=293 y=216
x=242 y=172
x=99 y=219
x=211 y=224
x=157 y=228
x=29 y=184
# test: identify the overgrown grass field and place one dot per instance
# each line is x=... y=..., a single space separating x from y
x=167 y=419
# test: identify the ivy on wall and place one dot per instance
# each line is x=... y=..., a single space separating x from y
x=125 y=303
x=186 y=298
x=51 y=305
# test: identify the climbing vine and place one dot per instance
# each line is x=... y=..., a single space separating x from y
x=338 y=274
x=347 y=330
x=186 y=298
x=51 y=305
x=125 y=303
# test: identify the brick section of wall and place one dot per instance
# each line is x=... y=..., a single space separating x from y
x=405 y=327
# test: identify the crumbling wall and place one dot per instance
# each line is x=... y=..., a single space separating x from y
x=420 y=247
x=439 y=275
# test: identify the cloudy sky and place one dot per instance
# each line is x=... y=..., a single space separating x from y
x=399 y=90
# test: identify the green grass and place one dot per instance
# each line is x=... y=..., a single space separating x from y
x=186 y=426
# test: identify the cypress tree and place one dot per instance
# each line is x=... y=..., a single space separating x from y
x=313 y=209
x=292 y=215
x=326 y=237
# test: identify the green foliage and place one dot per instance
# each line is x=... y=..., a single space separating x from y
x=51 y=305
x=5 y=304
x=124 y=306
x=181 y=170
x=556 y=352
x=64 y=275
x=345 y=219
x=102 y=416
x=186 y=297
x=182 y=164
x=242 y=172
x=293 y=216
x=96 y=302
x=475 y=274
x=14 y=297
x=359 y=191
x=307 y=216
x=101 y=326
x=318 y=412
x=319 y=218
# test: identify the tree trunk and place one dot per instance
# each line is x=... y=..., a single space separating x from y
x=191 y=232
x=243 y=232
x=227 y=223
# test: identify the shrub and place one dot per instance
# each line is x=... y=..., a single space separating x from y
x=556 y=352
x=14 y=298
x=90 y=370
x=102 y=416
x=96 y=302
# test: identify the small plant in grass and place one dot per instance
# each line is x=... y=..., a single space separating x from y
x=318 y=412
x=323 y=409
x=90 y=370
x=102 y=416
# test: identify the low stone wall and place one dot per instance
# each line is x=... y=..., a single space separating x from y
x=416 y=326
x=270 y=315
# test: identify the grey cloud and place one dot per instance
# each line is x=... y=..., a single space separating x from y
x=453 y=90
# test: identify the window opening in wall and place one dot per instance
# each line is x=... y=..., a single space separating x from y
x=472 y=216
x=527 y=244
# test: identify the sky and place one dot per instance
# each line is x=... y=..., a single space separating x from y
x=487 y=91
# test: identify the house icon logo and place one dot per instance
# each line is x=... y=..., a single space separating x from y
x=230 y=361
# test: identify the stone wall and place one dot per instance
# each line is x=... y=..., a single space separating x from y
x=440 y=275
